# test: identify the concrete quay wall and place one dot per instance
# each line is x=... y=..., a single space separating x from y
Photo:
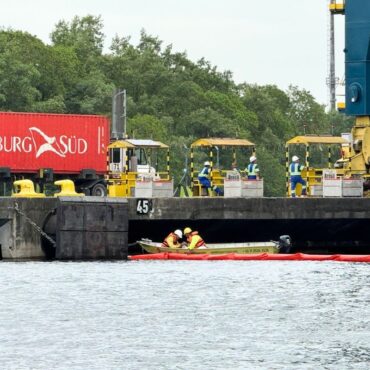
x=252 y=208
x=336 y=225
x=102 y=228
x=19 y=238
x=91 y=228
x=78 y=228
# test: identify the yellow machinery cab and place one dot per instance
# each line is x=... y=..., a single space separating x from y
x=213 y=145
x=133 y=169
x=313 y=175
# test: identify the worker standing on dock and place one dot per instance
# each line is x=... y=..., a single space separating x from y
x=173 y=240
x=295 y=170
x=252 y=169
x=204 y=178
x=193 y=239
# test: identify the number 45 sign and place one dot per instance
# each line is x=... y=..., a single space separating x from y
x=143 y=206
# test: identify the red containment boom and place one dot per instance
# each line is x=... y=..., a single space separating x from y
x=65 y=143
x=253 y=257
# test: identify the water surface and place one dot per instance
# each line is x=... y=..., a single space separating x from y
x=185 y=315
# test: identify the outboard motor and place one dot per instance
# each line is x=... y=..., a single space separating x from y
x=285 y=244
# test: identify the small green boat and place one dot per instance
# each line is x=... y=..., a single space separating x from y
x=219 y=248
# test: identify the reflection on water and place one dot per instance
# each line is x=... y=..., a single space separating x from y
x=185 y=315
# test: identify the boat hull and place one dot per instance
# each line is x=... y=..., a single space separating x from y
x=240 y=248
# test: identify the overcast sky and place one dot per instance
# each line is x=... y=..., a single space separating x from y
x=261 y=41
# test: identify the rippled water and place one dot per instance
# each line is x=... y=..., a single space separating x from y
x=185 y=315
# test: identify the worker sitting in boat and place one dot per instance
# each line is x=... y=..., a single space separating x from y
x=252 y=169
x=193 y=239
x=173 y=240
x=204 y=178
x=295 y=169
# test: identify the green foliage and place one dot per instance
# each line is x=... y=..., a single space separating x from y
x=340 y=123
x=53 y=105
x=90 y=95
x=308 y=115
x=273 y=173
x=84 y=35
x=17 y=84
x=170 y=98
x=59 y=71
x=19 y=76
x=146 y=126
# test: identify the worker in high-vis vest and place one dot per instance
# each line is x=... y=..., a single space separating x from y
x=252 y=169
x=173 y=240
x=193 y=239
x=295 y=170
x=204 y=178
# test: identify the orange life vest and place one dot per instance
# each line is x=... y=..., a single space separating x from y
x=165 y=241
x=200 y=242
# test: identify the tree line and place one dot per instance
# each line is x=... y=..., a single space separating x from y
x=170 y=98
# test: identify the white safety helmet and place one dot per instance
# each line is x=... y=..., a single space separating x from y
x=178 y=233
x=206 y=163
x=252 y=159
x=295 y=158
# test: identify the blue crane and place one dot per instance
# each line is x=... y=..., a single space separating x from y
x=357 y=76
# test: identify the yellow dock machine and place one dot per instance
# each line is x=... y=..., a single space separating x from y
x=313 y=175
x=229 y=179
x=134 y=169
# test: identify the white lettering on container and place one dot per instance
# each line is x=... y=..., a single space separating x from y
x=41 y=143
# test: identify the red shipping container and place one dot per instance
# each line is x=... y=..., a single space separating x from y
x=65 y=143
